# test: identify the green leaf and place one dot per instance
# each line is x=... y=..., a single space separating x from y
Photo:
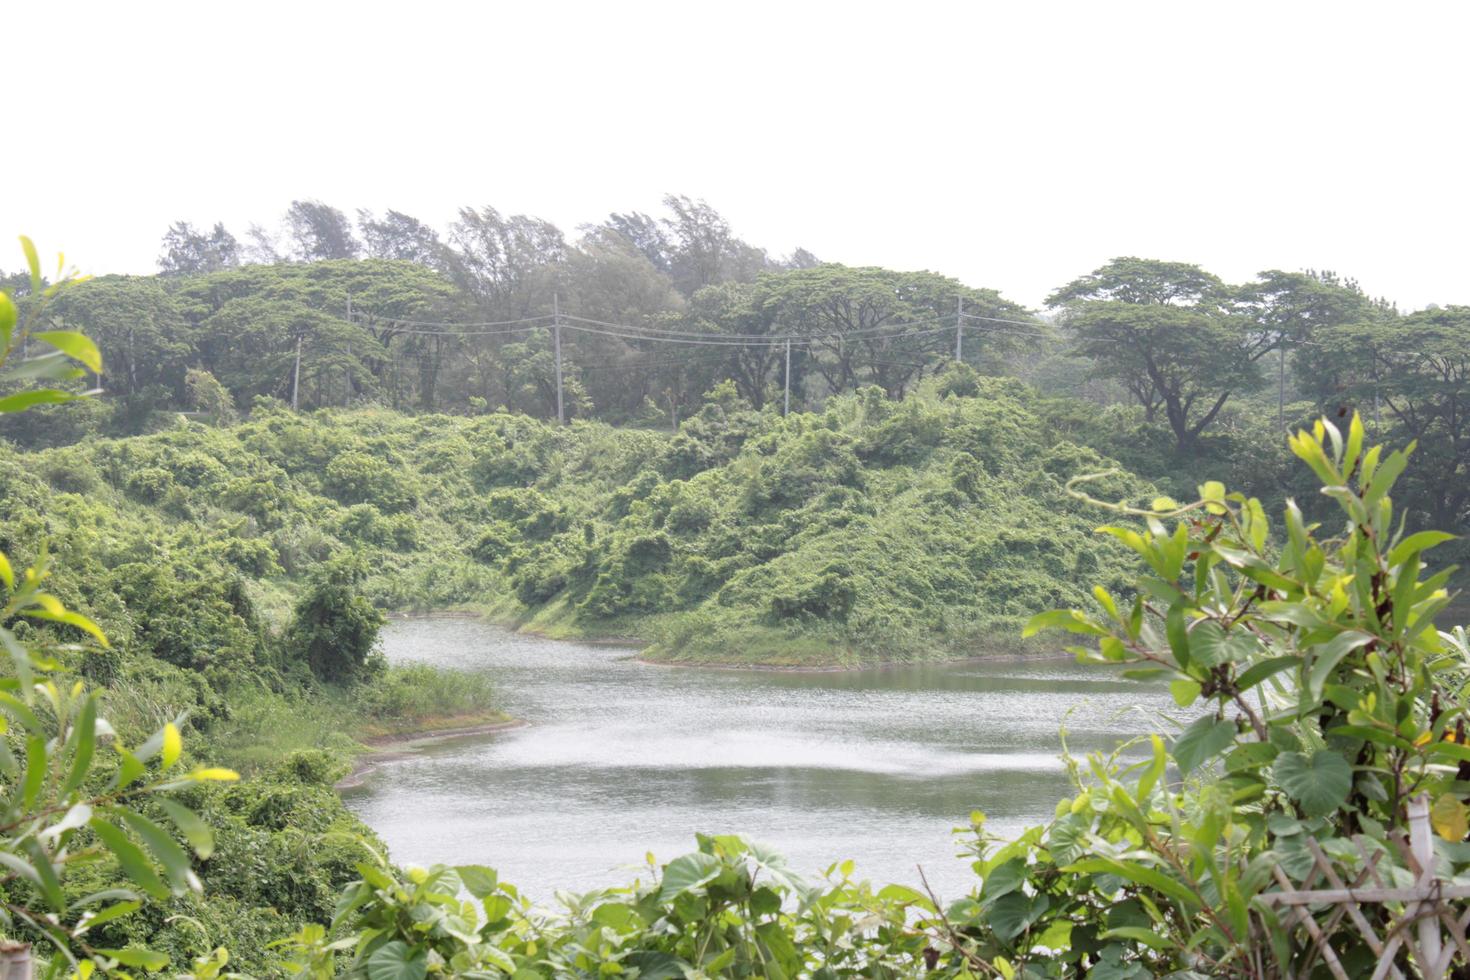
x=397 y=960
x=478 y=880
x=1422 y=541
x=115 y=911
x=70 y=618
x=36 y=767
x=1318 y=783
x=1258 y=672
x=1210 y=645
x=130 y=858
x=1184 y=692
x=1326 y=656
x=653 y=965
x=164 y=848
x=146 y=959
x=1013 y=914
x=33 y=263
x=74 y=345
x=1204 y=739
x=85 y=745
x=9 y=315
x=195 y=830
x=1067 y=619
x=1178 y=635
x=689 y=871
x=1140 y=875
x=23 y=400
x=1139 y=934
x=47 y=875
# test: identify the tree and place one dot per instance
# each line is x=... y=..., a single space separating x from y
x=207 y=395
x=319 y=231
x=1412 y=372
x=399 y=236
x=507 y=263
x=187 y=251
x=644 y=233
x=876 y=326
x=738 y=309
x=264 y=247
x=333 y=629
x=800 y=258
x=703 y=250
x=1170 y=333
x=1291 y=306
x=140 y=324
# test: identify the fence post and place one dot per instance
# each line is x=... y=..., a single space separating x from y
x=1421 y=842
x=15 y=961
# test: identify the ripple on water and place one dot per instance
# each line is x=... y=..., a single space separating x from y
x=623 y=758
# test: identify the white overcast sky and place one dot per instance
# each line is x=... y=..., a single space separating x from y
x=1015 y=145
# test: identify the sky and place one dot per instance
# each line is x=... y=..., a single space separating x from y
x=1013 y=145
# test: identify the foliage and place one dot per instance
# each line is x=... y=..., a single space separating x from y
x=67 y=809
x=1323 y=647
x=333 y=629
x=732 y=908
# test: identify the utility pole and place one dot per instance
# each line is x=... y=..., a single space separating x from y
x=296 y=374
x=1281 y=388
x=347 y=368
x=561 y=415
x=786 y=405
x=959 y=323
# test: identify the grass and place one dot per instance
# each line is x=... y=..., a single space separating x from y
x=263 y=726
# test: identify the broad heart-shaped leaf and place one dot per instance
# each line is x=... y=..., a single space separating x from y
x=689 y=871
x=1318 y=783
x=397 y=961
x=653 y=965
x=1204 y=739
x=1209 y=645
x=478 y=880
x=1013 y=914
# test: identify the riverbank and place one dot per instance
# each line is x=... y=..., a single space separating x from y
x=755 y=648
x=393 y=747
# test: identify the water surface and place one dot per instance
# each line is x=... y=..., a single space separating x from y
x=622 y=758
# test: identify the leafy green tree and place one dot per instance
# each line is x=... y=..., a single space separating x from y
x=508 y=264
x=139 y=322
x=1413 y=373
x=740 y=309
x=187 y=251
x=400 y=236
x=845 y=311
x=334 y=629
x=319 y=231
x=701 y=248
x=207 y=395
x=1171 y=334
x=1292 y=306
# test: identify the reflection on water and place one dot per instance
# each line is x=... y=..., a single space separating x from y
x=621 y=758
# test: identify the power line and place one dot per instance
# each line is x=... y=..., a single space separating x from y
x=756 y=337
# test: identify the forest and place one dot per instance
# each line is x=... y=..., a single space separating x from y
x=229 y=473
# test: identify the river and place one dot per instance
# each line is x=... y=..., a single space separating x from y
x=621 y=758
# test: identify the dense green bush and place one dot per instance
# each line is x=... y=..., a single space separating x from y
x=334 y=630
